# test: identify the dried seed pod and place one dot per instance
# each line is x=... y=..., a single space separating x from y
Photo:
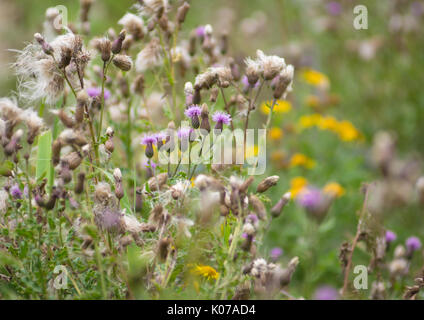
x=182 y=12
x=123 y=62
x=82 y=104
x=139 y=84
x=65 y=173
x=245 y=185
x=65 y=119
x=214 y=94
x=267 y=183
x=163 y=248
x=79 y=186
x=56 y=148
x=204 y=124
x=159 y=180
x=257 y=206
x=138 y=200
x=74 y=159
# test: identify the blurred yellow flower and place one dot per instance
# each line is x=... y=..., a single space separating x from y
x=300 y=160
x=275 y=133
x=316 y=78
x=205 y=271
x=328 y=123
x=309 y=120
x=281 y=106
x=334 y=189
x=251 y=151
x=347 y=131
x=297 y=184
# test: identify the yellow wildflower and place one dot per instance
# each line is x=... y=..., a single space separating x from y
x=251 y=151
x=316 y=78
x=334 y=189
x=300 y=160
x=297 y=184
x=347 y=131
x=281 y=106
x=275 y=133
x=328 y=123
x=310 y=120
x=207 y=272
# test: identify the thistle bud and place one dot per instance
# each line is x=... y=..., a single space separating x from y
x=163 y=248
x=138 y=200
x=235 y=70
x=13 y=146
x=119 y=190
x=257 y=206
x=192 y=44
x=117 y=44
x=105 y=47
x=82 y=104
x=139 y=84
x=65 y=173
x=224 y=43
x=123 y=62
x=47 y=48
x=56 y=148
x=79 y=186
x=214 y=94
x=74 y=159
x=204 y=124
x=182 y=12
x=267 y=183
x=52 y=200
x=197 y=98
x=65 y=57
x=279 y=206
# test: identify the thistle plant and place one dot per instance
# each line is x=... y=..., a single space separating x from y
x=109 y=168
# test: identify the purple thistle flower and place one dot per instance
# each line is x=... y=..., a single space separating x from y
x=310 y=199
x=160 y=138
x=96 y=92
x=413 y=244
x=253 y=218
x=184 y=133
x=390 y=236
x=148 y=141
x=221 y=118
x=326 y=293
x=275 y=253
x=334 y=8
x=200 y=31
x=193 y=113
x=111 y=219
x=16 y=192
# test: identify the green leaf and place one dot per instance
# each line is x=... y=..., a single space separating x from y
x=6 y=168
x=44 y=156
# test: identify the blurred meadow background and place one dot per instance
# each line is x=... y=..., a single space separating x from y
x=371 y=79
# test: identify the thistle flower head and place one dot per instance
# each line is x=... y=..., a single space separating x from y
x=133 y=24
x=184 y=133
x=413 y=244
x=94 y=92
x=270 y=65
x=275 y=253
x=390 y=236
x=16 y=192
x=221 y=117
x=310 y=198
x=150 y=56
x=152 y=8
x=148 y=139
x=193 y=111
